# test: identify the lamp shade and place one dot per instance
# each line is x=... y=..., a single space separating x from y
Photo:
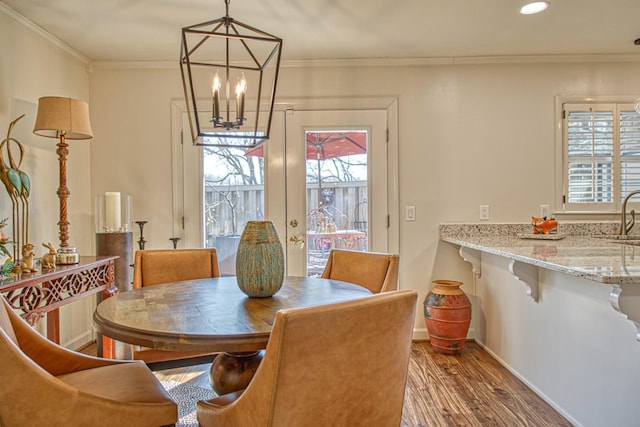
x=66 y=116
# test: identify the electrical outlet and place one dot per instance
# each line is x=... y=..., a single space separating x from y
x=544 y=211
x=410 y=213
x=484 y=212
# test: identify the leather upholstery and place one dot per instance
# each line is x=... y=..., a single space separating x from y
x=342 y=364
x=153 y=267
x=375 y=271
x=44 y=384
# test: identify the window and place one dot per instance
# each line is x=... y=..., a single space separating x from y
x=601 y=165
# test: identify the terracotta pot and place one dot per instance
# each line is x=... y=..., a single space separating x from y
x=260 y=260
x=447 y=315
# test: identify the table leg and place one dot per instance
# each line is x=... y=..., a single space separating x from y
x=106 y=346
x=53 y=325
x=233 y=371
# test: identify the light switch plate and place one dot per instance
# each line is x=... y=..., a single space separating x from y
x=410 y=213
x=544 y=211
x=484 y=212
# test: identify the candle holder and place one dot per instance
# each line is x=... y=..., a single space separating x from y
x=121 y=245
x=113 y=235
x=141 y=241
x=113 y=213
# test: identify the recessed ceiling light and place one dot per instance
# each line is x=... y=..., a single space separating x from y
x=534 y=7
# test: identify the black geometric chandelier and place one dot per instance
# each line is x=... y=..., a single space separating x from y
x=229 y=76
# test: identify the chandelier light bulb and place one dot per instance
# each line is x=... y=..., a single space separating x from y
x=241 y=86
x=215 y=89
x=241 y=90
x=215 y=85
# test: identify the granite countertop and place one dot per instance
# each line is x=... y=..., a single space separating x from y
x=587 y=250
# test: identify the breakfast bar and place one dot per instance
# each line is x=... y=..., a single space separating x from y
x=590 y=251
x=542 y=306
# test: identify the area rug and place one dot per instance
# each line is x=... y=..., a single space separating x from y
x=186 y=395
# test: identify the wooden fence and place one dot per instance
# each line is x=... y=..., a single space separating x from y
x=227 y=209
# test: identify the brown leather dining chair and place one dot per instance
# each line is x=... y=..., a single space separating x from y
x=375 y=271
x=156 y=266
x=44 y=384
x=342 y=364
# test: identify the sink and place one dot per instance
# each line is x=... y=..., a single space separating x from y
x=633 y=240
x=627 y=242
x=619 y=237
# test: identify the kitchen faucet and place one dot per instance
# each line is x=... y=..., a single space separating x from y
x=624 y=227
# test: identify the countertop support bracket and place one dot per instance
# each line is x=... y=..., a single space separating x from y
x=527 y=274
x=472 y=256
x=626 y=300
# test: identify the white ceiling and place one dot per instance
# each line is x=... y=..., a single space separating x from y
x=149 y=30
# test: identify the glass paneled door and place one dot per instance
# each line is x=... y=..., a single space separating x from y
x=322 y=178
x=336 y=175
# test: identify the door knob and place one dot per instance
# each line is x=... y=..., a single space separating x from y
x=297 y=239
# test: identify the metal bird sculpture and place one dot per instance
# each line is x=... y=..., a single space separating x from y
x=26 y=187
x=25 y=182
x=11 y=178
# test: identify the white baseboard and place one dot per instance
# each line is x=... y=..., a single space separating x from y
x=421 y=334
x=79 y=341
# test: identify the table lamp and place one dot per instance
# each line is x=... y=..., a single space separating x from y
x=63 y=118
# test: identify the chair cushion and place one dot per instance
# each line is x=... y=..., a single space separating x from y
x=124 y=382
x=360 y=268
x=163 y=266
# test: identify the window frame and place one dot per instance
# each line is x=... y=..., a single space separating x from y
x=603 y=210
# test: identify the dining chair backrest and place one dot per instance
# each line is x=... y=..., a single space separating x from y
x=376 y=271
x=343 y=364
x=46 y=384
x=156 y=266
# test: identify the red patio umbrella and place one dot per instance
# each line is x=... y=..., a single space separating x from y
x=327 y=145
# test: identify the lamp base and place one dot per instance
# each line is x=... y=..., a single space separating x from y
x=66 y=256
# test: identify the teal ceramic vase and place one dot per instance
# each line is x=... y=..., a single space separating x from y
x=260 y=260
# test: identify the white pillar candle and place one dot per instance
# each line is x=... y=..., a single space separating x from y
x=112 y=205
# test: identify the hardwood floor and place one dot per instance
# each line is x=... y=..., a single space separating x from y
x=471 y=389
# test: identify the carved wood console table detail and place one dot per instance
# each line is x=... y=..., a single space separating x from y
x=40 y=293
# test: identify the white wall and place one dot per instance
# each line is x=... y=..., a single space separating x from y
x=31 y=67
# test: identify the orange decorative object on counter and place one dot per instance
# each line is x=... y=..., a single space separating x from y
x=542 y=225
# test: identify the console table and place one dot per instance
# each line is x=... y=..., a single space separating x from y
x=44 y=292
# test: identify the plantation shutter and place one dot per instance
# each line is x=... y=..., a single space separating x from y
x=589 y=152
x=629 y=152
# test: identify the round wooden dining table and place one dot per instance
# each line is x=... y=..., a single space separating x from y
x=212 y=315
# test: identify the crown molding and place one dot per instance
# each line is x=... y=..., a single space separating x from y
x=42 y=33
x=398 y=62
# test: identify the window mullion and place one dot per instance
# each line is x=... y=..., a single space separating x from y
x=617 y=168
